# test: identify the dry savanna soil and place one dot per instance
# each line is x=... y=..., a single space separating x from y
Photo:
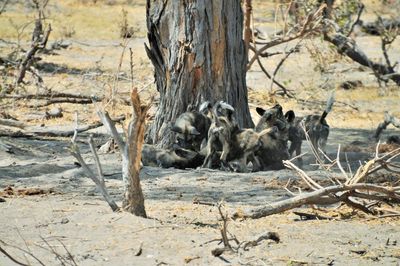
x=51 y=212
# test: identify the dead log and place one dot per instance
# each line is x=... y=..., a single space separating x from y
x=323 y=196
x=347 y=193
x=51 y=95
x=54 y=133
x=61 y=100
x=348 y=47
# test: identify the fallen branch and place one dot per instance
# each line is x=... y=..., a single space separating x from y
x=348 y=47
x=54 y=133
x=61 y=100
x=46 y=96
x=323 y=196
x=11 y=123
x=98 y=180
x=346 y=193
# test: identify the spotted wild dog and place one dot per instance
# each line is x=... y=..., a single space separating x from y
x=315 y=126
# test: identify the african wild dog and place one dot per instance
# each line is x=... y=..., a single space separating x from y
x=177 y=158
x=274 y=145
x=238 y=146
x=247 y=143
x=191 y=128
x=220 y=133
x=315 y=126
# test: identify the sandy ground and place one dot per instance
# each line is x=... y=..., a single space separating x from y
x=71 y=216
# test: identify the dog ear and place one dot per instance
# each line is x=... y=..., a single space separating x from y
x=290 y=116
x=193 y=131
x=260 y=111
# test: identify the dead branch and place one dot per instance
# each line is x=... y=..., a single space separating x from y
x=323 y=196
x=310 y=24
x=69 y=133
x=224 y=228
x=284 y=89
x=96 y=159
x=279 y=65
x=61 y=100
x=29 y=132
x=264 y=236
x=23 y=250
x=11 y=123
x=37 y=44
x=361 y=7
x=12 y=258
x=51 y=95
x=108 y=123
x=309 y=216
x=348 y=193
x=348 y=47
x=3 y=7
x=98 y=180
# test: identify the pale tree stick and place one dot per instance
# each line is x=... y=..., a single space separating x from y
x=340 y=165
x=96 y=159
x=97 y=180
x=309 y=181
x=112 y=130
x=100 y=186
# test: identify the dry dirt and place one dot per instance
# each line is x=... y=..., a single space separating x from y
x=68 y=214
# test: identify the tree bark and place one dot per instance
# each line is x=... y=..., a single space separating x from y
x=198 y=54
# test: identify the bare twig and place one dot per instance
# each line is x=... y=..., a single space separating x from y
x=99 y=181
x=3 y=7
x=96 y=159
x=11 y=257
x=24 y=251
x=311 y=23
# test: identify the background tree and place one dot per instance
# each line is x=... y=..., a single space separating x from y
x=198 y=54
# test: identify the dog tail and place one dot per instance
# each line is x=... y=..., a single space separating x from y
x=329 y=104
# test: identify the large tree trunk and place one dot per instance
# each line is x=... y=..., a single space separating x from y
x=198 y=54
